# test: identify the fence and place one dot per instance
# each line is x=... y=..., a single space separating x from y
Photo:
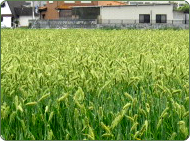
x=131 y=21
x=62 y=23
x=93 y=23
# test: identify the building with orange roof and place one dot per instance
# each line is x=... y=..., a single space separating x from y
x=62 y=9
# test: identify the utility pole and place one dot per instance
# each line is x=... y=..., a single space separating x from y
x=33 y=10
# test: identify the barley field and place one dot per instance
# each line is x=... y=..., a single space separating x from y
x=79 y=84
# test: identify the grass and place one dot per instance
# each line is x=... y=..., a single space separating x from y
x=94 y=84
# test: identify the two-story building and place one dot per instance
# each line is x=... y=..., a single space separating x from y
x=16 y=13
x=62 y=9
x=8 y=15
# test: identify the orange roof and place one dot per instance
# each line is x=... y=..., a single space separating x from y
x=63 y=7
x=42 y=8
x=121 y=3
x=105 y=3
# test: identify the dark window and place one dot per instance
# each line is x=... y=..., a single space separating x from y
x=3 y=4
x=161 y=19
x=140 y=2
x=65 y=14
x=43 y=16
x=1 y=18
x=144 y=18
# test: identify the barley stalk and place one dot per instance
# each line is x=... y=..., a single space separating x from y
x=63 y=97
x=31 y=103
x=44 y=97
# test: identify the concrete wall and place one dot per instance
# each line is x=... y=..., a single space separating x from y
x=132 y=12
x=93 y=24
x=24 y=20
x=61 y=23
x=178 y=15
x=143 y=26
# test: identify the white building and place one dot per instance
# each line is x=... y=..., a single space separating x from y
x=157 y=13
x=152 y=13
x=20 y=11
x=25 y=14
x=145 y=13
x=6 y=15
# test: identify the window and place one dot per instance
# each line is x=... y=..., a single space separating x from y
x=85 y=1
x=133 y=3
x=50 y=1
x=69 y=1
x=144 y=18
x=43 y=16
x=3 y=4
x=1 y=19
x=140 y=3
x=65 y=14
x=161 y=19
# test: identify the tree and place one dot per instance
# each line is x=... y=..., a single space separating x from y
x=184 y=8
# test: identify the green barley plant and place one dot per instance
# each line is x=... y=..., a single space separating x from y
x=77 y=84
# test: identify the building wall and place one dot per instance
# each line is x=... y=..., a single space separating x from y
x=5 y=10
x=78 y=3
x=6 y=21
x=6 y=15
x=187 y=16
x=132 y=12
x=52 y=13
x=178 y=15
x=23 y=20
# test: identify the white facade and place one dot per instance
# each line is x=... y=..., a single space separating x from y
x=131 y=13
x=24 y=20
x=6 y=22
x=5 y=10
x=6 y=16
x=178 y=15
